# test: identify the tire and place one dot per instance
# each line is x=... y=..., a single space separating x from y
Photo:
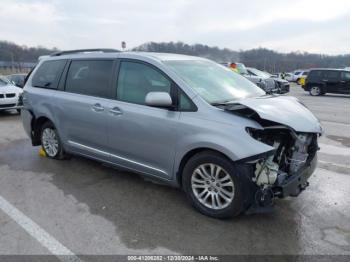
x=193 y=172
x=315 y=91
x=48 y=136
x=298 y=81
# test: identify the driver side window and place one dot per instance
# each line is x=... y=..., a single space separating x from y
x=136 y=80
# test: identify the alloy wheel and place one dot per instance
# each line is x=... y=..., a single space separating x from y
x=50 y=142
x=315 y=91
x=212 y=186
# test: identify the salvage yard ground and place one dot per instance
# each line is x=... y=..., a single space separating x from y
x=80 y=207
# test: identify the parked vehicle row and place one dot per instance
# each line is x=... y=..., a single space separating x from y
x=183 y=120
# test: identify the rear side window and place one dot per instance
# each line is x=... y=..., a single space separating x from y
x=48 y=74
x=90 y=77
x=346 y=76
x=136 y=80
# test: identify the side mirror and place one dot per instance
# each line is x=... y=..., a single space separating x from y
x=159 y=99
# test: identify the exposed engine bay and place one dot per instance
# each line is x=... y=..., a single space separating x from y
x=293 y=153
x=285 y=170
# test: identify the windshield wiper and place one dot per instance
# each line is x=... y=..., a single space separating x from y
x=223 y=103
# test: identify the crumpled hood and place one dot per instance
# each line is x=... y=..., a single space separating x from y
x=284 y=110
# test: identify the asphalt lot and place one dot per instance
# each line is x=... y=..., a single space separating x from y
x=79 y=206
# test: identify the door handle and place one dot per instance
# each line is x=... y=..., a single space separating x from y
x=324 y=80
x=97 y=108
x=115 y=111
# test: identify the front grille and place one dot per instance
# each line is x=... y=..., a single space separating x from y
x=10 y=95
x=2 y=95
x=7 y=106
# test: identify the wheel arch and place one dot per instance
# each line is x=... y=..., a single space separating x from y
x=37 y=123
x=188 y=155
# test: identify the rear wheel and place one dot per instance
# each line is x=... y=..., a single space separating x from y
x=213 y=185
x=50 y=141
x=315 y=91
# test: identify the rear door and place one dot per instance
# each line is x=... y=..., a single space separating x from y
x=81 y=106
x=345 y=82
x=331 y=80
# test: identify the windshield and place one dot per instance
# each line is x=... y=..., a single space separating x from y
x=259 y=73
x=213 y=82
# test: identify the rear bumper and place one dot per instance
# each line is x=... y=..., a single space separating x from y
x=27 y=118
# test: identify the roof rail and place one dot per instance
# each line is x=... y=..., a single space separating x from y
x=103 y=50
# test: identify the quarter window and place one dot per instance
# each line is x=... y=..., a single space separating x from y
x=48 y=74
x=185 y=104
x=90 y=77
x=136 y=80
x=346 y=76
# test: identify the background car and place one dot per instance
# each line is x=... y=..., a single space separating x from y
x=299 y=74
x=285 y=76
x=9 y=95
x=274 y=84
x=17 y=79
x=259 y=81
x=322 y=81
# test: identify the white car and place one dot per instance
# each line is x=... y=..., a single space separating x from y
x=299 y=74
x=9 y=95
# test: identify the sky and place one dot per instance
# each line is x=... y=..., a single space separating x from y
x=315 y=26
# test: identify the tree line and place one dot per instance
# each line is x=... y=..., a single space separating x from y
x=12 y=52
x=261 y=58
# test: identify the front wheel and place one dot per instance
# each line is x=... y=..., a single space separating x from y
x=213 y=185
x=50 y=141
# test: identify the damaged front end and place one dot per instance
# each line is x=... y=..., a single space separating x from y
x=292 y=131
x=286 y=171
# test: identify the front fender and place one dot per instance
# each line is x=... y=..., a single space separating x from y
x=230 y=140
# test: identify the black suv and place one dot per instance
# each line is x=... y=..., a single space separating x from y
x=322 y=81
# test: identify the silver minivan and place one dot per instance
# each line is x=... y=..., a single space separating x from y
x=186 y=121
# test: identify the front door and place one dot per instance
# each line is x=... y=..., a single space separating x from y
x=140 y=137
